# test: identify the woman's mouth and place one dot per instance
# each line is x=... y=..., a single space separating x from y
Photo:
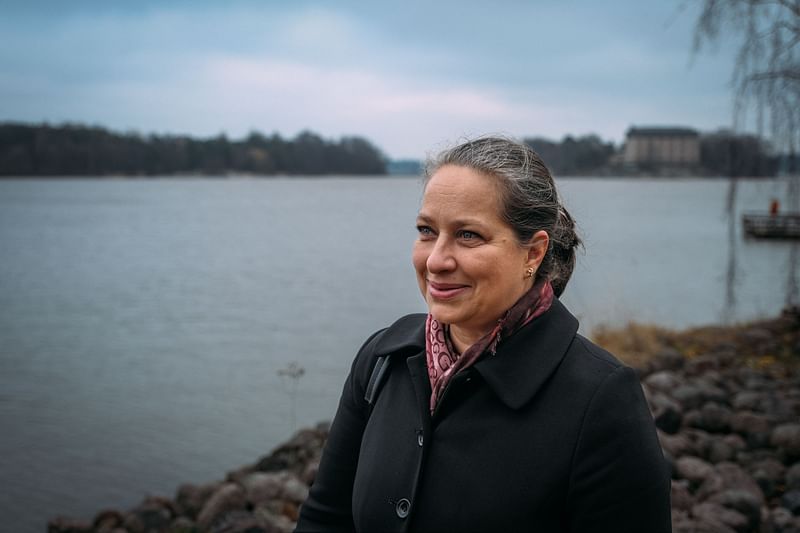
x=445 y=291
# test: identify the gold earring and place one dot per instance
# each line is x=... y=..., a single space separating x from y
x=529 y=272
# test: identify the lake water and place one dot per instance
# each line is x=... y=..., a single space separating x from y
x=143 y=322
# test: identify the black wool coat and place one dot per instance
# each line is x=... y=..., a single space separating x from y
x=551 y=434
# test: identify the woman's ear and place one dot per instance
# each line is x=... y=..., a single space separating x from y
x=537 y=248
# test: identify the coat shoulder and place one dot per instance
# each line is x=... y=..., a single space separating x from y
x=587 y=367
x=594 y=355
x=405 y=336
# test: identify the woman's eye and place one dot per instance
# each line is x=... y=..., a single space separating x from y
x=425 y=231
x=468 y=235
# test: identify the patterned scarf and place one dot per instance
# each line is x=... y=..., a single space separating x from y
x=444 y=361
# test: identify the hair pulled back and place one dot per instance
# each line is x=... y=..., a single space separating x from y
x=529 y=200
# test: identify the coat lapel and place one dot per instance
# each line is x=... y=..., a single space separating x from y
x=526 y=360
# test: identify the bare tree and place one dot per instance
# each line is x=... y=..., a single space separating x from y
x=766 y=81
x=766 y=77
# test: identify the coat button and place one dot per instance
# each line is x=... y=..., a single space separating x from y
x=402 y=508
x=420 y=440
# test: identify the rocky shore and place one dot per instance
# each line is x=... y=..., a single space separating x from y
x=726 y=402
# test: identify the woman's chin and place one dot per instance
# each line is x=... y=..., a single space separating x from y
x=444 y=314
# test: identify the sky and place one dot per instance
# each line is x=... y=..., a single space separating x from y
x=411 y=76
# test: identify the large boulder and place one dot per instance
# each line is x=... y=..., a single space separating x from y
x=791 y=501
x=711 y=417
x=793 y=477
x=191 y=498
x=715 y=517
x=262 y=487
x=755 y=428
x=693 y=469
x=769 y=474
x=786 y=438
x=228 y=497
x=741 y=501
x=663 y=381
x=729 y=476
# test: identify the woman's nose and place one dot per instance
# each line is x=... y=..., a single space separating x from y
x=441 y=257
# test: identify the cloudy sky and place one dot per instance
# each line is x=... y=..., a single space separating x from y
x=409 y=75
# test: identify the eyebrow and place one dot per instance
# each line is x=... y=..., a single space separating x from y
x=468 y=221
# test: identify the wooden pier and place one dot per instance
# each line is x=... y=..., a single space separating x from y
x=766 y=226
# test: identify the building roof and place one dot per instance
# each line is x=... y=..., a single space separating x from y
x=653 y=131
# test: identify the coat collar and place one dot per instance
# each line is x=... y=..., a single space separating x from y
x=523 y=362
x=529 y=357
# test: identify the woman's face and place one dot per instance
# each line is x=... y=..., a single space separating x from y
x=470 y=267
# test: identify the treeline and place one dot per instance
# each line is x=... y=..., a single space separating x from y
x=75 y=150
x=722 y=153
x=574 y=156
x=727 y=154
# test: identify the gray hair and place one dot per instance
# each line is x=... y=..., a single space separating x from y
x=528 y=196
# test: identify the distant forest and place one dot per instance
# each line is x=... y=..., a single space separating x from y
x=74 y=150
x=572 y=156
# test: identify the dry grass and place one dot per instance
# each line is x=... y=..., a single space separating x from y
x=761 y=343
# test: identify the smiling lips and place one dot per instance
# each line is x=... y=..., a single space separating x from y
x=445 y=291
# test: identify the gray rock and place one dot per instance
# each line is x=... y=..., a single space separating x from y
x=192 y=498
x=681 y=497
x=786 y=437
x=711 y=417
x=700 y=441
x=237 y=522
x=275 y=522
x=720 y=450
x=729 y=476
x=675 y=445
x=783 y=521
x=261 y=487
x=748 y=400
x=152 y=515
x=182 y=524
x=663 y=381
x=769 y=474
x=108 y=520
x=715 y=515
x=666 y=413
x=693 y=469
x=735 y=441
x=793 y=477
x=701 y=364
x=62 y=524
x=791 y=501
x=294 y=490
x=681 y=522
x=310 y=473
x=689 y=396
x=755 y=428
x=229 y=497
x=305 y=446
x=742 y=501
x=668 y=359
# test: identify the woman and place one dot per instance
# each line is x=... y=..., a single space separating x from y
x=490 y=413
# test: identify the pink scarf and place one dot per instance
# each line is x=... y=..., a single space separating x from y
x=444 y=361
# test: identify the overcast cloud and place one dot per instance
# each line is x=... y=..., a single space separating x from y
x=409 y=76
